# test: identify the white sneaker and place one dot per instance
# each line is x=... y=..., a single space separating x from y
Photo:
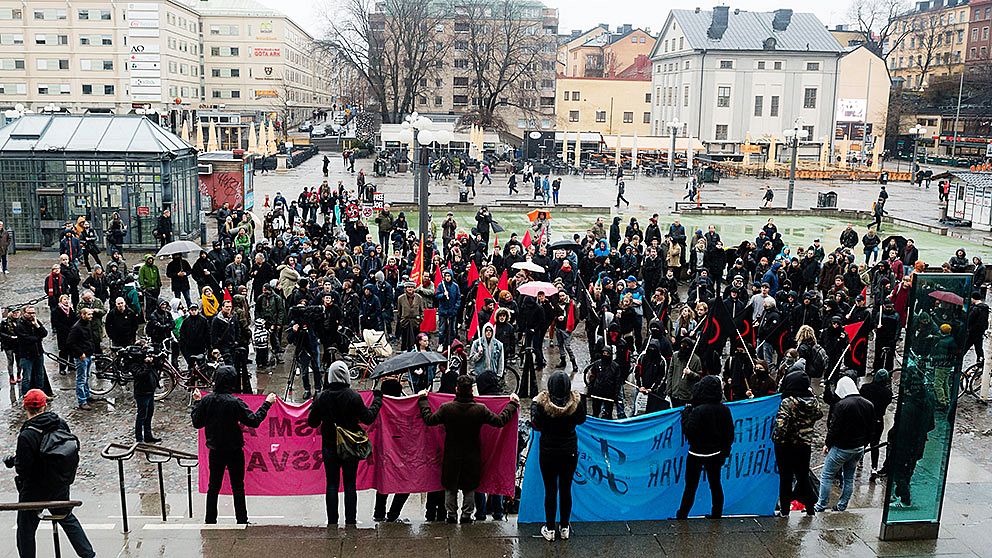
x=565 y=531
x=548 y=534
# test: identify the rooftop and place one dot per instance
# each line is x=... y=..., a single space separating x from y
x=88 y=133
x=780 y=31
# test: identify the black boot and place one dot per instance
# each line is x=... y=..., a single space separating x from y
x=561 y=363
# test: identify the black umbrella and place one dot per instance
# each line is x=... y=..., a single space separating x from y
x=900 y=242
x=497 y=228
x=406 y=361
x=566 y=245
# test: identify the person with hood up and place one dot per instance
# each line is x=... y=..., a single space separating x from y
x=221 y=415
x=650 y=377
x=793 y=437
x=555 y=413
x=160 y=323
x=879 y=392
x=461 y=464
x=336 y=407
x=849 y=430
x=604 y=382
x=683 y=373
x=709 y=428
x=487 y=353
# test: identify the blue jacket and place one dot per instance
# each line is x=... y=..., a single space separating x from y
x=447 y=305
x=771 y=277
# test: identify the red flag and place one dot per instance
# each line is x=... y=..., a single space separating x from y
x=481 y=294
x=540 y=238
x=473 y=272
x=504 y=282
x=417 y=273
x=527 y=241
x=570 y=318
x=437 y=276
x=227 y=295
x=857 y=356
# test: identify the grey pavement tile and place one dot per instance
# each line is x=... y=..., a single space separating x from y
x=611 y=528
x=330 y=548
x=393 y=548
x=797 y=543
x=724 y=525
x=940 y=546
x=609 y=547
x=714 y=545
x=505 y=547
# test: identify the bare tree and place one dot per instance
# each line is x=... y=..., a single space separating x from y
x=393 y=45
x=505 y=48
x=878 y=21
x=927 y=35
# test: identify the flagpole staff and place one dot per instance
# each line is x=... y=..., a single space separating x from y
x=746 y=351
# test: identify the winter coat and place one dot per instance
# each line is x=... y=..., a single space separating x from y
x=706 y=423
x=33 y=481
x=680 y=385
x=487 y=355
x=29 y=338
x=194 y=335
x=447 y=305
x=797 y=413
x=557 y=423
x=221 y=414
x=80 y=341
x=852 y=418
x=463 y=418
x=339 y=405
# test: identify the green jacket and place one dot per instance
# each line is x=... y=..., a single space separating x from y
x=148 y=278
x=679 y=384
x=385 y=221
x=270 y=308
x=99 y=313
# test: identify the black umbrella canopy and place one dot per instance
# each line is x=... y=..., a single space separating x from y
x=900 y=242
x=406 y=361
x=565 y=245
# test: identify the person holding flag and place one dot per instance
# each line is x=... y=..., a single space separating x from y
x=564 y=326
x=448 y=296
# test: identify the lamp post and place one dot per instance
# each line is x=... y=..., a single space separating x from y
x=418 y=131
x=794 y=135
x=673 y=127
x=916 y=131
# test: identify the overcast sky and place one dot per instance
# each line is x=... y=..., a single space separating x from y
x=583 y=14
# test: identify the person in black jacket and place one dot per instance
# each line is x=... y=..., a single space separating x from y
x=978 y=324
x=339 y=406
x=555 y=413
x=879 y=392
x=709 y=428
x=36 y=482
x=163 y=228
x=221 y=415
x=849 y=430
x=651 y=372
x=604 y=382
x=224 y=331
x=194 y=335
x=80 y=346
x=139 y=360
x=30 y=355
x=160 y=324
x=122 y=324
x=179 y=271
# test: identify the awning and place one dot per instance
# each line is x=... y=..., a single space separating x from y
x=391 y=133
x=653 y=143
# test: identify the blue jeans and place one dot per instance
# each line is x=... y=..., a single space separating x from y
x=447 y=329
x=768 y=352
x=143 y=420
x=33 y=370
x=843 y=462
x=82 y=379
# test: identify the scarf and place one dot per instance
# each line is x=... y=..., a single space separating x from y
x=210 y=305
x=65 y=308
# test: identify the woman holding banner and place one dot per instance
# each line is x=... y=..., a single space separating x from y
x=555 y=413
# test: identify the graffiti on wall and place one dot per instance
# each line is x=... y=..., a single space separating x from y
x=223 y=187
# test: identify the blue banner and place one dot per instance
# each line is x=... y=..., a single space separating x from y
x=633 y=469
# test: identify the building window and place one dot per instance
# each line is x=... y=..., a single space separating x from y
x=459 y=100
x=11 y=39
x=87 y=89
x=108 y=89
x=685 y=66
x=723 y=96
x=567 y=96
x=422 y=100
x=573 y=116
x=681 y=42
x=224 y=30
x=726 y=64
x=628 y=118
x=51 y=40
x=721 y=132
x=11 y=14
x=224 y=51
x=809 y=132
x=685 y=96
x=11 y=64
x=547 y=84
x=759 y=102
x=809 y=98
x=812 y=66
x=60 y=89
x=94 y=40
x=773 y=107
x=575 y=95
x=461 y=45
x=460 y=82
x=600 y=116
x=50 y=14
x=461 y=63
x=777 y=65
x=13 y=89
x=93 y=15
x=647 y=117
x=52 y=64
x=647 y=98
x=547 y=101
x=761 y=64
x=438 y=101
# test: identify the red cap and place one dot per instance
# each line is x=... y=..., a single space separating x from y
x=35 y=399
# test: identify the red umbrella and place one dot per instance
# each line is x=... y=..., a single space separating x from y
x=948 y=297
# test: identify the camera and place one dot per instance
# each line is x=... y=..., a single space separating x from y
x=8 y=461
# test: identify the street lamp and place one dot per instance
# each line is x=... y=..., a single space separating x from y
x=794 y=135
x=419 y=132
x=673 y=126
x=916 y=131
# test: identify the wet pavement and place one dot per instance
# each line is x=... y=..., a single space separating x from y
x=299 y=520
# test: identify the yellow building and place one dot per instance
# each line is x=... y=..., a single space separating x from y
x=604 y=105
x=862 y=104
x=934 y=42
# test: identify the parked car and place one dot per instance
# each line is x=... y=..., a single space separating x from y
x=307 y=126
x=318 y=132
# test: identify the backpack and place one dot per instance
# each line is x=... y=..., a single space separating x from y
x=817 y=362
x=59 y=451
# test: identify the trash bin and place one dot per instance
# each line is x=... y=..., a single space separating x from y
x=826 y=199
x=883 y=177
x=462 y=194
x=711 y=175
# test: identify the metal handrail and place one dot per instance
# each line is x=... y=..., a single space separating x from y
x=159 y=456
x=53 y=517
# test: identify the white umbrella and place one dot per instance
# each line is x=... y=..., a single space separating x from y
x=633 y=153
x=528 y=266
x=178 y=247
x=212 y=138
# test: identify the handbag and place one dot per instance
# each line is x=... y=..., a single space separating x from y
x=353 y=445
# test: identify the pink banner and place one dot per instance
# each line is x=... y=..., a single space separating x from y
x=283 y=455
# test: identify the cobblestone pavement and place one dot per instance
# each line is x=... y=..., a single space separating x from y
x=852 y=534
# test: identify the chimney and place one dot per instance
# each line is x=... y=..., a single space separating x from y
x=718 y=25
x=782 y=19
x=697 y=9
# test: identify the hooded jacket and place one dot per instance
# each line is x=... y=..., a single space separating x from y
x=32 y=481
x=852 y=418
x=555 y=413
x=339 y=405
x=798 y=412
x=706 y=423
x=487 y=354
x=221 y=414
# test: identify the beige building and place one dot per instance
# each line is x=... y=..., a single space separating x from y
x=604 y=105
x=169 y=59
x=934 y=44
x=862 y=104
x=601 y=53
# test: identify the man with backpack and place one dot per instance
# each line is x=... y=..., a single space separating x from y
x=46 y=461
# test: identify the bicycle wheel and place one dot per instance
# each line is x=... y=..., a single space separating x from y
x=968 y=384
x=166 y=383
x=511 y=379
x=103 y=375
x=585 y=375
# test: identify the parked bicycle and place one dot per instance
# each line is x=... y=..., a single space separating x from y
x=110 y=372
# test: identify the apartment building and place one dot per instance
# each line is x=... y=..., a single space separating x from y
x=170 y=59
x=979 y=41
x=932 y=42
x=727 y=76
x=609 y=106
x=598 y=53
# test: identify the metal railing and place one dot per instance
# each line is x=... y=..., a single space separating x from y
x=67 y=505
x=158 y=455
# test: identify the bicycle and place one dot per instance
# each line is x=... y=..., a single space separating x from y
x=365 y=353
x=110 y=373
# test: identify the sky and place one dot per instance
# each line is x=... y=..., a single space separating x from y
x=583 y=14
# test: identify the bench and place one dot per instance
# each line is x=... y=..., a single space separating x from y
x=594 y=172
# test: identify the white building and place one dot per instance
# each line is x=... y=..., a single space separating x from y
x=729 y=76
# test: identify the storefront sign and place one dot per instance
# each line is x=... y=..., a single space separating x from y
x=266 y=51
x=15 y=207
x=143 y=211
x=266 y=94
